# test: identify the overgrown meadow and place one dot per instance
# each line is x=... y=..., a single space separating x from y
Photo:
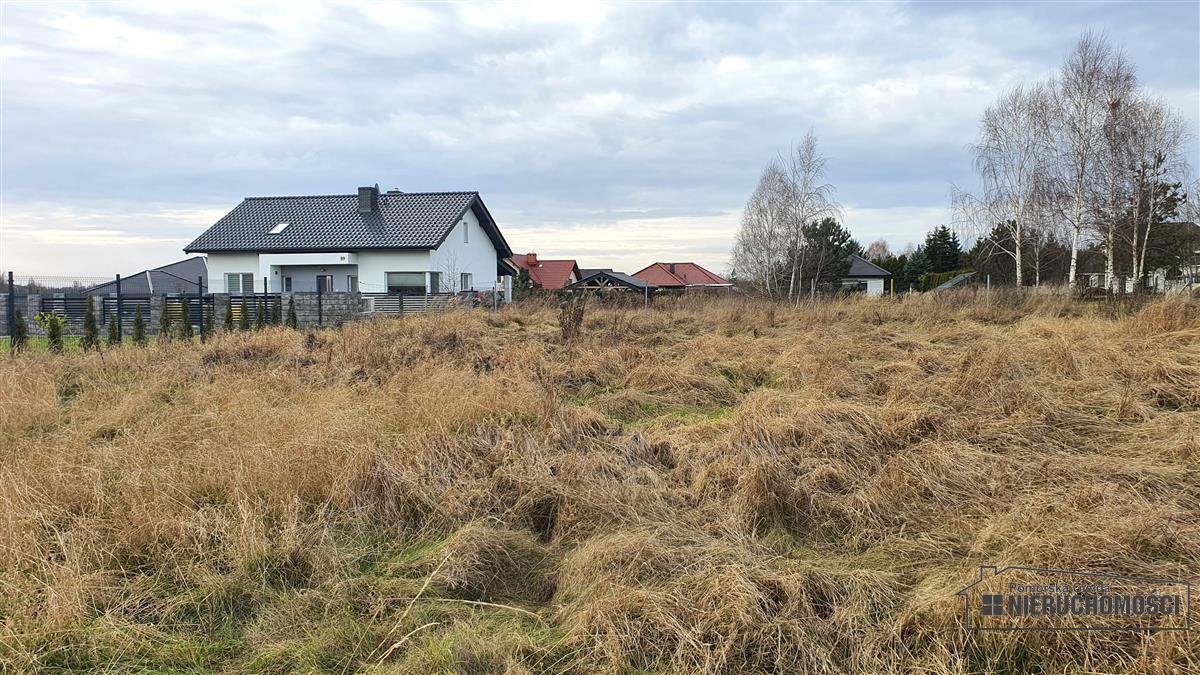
x=711 y=485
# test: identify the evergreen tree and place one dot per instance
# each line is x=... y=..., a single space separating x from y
x=522 y=285
x=828 y=246
x=260 y=312
x=276 y=311
x=20 y=333
x=114 y=337
x=989 y=257
x=185 y=326
x=164 y=323
x=208 y=321
x=53 y=325
x=1170 y=245
x=229 y=315
x=291 y=315
x=918 y=264
x=91 y=329
x=244 y=319
x=942 y=249
x=139 y=328
x=894 y=264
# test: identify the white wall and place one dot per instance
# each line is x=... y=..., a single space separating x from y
x=304 y=277
x=304 y=268
x=373 y=267
x=875 y=285
x=220 y=264
x=477 y=257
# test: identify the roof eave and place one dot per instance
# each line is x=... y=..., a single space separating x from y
x=487 y=223
x=335 y=249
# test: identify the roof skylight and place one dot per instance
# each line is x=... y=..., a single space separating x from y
x=278 y=228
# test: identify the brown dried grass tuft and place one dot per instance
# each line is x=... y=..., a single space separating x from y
x=486 y=563
x=713 y=485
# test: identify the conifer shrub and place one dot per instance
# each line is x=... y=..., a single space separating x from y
x=53 y=324
x=91 y=329
x=139 y=328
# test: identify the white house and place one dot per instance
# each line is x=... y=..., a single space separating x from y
x=866 y=275
x=404 y=243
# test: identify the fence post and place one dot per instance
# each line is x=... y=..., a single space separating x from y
x=200 y=304
x=120 y=334
x=320 y=318
x=11 y=314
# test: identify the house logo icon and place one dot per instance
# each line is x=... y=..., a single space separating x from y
x=993 y=605
x=1015 y=599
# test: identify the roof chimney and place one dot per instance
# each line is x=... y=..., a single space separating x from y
x=671 y=268
x=368 y=199
x=531 y=259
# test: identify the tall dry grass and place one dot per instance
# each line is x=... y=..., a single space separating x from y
x=709 y=486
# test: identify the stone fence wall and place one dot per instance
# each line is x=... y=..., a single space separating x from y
x=333 y=309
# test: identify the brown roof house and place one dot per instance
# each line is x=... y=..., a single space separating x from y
x=550 y=275
x=681 y=276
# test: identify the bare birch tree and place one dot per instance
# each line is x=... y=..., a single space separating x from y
x=1075 y=132
x=1159 y=136
x=1011 y=161
x=877 y=249
x=810 y=199
x=760 y=249
x=1115 y=186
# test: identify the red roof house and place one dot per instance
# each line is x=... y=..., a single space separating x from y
x=548 y=274
x=681 y=275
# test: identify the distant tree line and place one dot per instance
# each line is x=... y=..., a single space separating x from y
x=939 y=258
x=1086 y=164
x=1083 y=170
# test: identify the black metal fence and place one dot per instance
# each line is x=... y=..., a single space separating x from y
x=119 y=301
x=110 y=297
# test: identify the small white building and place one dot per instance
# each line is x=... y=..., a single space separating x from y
x=867 y=276
x=400 y=243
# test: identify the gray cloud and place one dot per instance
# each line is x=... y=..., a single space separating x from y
x=612 y=133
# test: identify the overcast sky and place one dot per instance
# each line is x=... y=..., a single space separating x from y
x=616 y=134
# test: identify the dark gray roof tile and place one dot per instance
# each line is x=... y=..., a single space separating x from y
x=180 y=276
x=333 y=222
x=613 y=277
x=861 y=267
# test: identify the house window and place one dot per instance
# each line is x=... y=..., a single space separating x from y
x=287 y=284
x=325 y=283
x=464 y=280
x=435 y=282
x=466 y=232
x=406 y=283
x=239 y=283
x=352 y=283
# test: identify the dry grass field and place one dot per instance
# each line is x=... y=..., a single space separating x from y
x=708 y=486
